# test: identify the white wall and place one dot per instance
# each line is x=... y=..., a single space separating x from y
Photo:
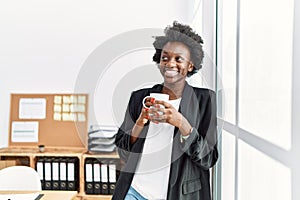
x=43 y=44
x=295 y=103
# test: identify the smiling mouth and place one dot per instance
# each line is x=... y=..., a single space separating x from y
x=171 y=73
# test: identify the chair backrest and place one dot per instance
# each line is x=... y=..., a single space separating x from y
x=19 y=178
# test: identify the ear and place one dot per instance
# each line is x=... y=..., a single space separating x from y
x=190 y=67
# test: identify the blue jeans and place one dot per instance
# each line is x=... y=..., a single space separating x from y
x=132 y=194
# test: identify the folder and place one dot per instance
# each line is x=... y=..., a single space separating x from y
x=63 y=174
x=55 y=174
x=40 y=170
x=89 y=176
x=96 y=177
x=48 y=173
x=112 y=175
x=104 y=177
x=71 y=181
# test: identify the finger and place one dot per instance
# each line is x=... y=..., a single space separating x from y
x=161 y=118
x=165 y=104
x=160 y=110
x=158 y=117
x=145 y=113
x=148 y=102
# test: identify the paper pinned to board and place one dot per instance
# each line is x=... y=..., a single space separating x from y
x=32 y=108
x=24 y=131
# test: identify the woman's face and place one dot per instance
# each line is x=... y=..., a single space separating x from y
x=175 y=62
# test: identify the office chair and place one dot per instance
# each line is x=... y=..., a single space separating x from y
x=20 y=178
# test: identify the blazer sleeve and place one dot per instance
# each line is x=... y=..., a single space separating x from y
x=201 y=145
x=122 y=140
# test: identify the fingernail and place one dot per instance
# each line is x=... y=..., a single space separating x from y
x=152 y=100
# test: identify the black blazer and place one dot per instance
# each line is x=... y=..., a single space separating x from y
x=191 y=159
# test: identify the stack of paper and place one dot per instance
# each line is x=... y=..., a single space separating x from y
x=102 y=138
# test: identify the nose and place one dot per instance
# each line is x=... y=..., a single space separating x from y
x=171 y=63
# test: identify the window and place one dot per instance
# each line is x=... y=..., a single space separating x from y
x=255 y=64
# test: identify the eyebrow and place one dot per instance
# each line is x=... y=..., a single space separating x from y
x=178 y=53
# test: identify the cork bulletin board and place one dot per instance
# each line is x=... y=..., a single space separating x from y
x=54 y=120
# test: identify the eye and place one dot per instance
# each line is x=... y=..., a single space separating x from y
x=180 y=59
x=164 y=58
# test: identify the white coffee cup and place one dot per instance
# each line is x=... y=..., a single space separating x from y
x=156 y=96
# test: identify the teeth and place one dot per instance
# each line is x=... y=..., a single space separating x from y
x=171 y=73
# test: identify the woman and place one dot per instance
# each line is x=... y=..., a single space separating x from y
x=168 y=148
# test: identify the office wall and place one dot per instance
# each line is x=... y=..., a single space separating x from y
x=44 y=44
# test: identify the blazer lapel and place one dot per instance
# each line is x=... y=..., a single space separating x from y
x=189 y=105
x=189 y=108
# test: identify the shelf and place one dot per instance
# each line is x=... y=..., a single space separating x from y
x=102 y=155
x=48 y=151
x=30 y=154
x=96 y=197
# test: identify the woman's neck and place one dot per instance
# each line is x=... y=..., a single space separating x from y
x=174 y=91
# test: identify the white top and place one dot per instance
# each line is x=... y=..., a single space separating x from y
x=152 y=174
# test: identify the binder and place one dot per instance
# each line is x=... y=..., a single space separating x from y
x=96 y=177
x=104 y=177
x=55 y=174
x=41 y=171
x=112 y=175
x=71 y=182
x=89 y=176
x=63 y=174
x=48 y=173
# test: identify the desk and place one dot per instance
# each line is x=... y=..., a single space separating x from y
x=48 y=194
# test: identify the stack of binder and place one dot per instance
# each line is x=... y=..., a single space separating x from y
x=101 y=138
x=58 y=173
x=101 y=175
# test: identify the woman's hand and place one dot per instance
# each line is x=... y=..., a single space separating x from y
x=144 y=115
x=141 y=121
x=143 y=118
x=163 y=112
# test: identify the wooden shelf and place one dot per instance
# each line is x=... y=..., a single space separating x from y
x=48 y=151
x=102 y=155
x=31 y=153
x=96 y=197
